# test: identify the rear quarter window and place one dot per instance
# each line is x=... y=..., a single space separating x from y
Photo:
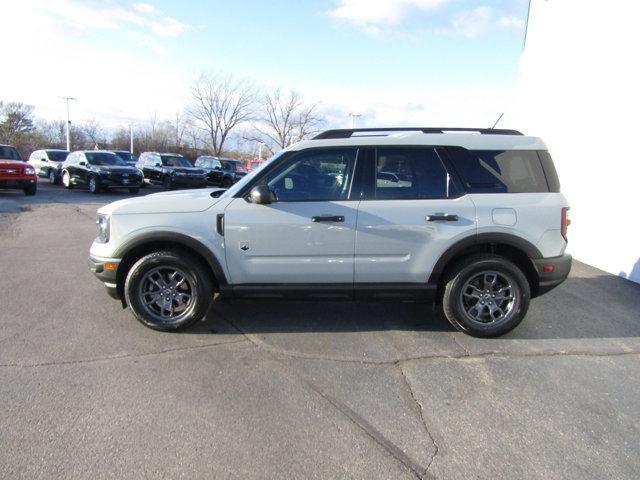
x=499 y=171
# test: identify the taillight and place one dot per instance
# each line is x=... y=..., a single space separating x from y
x=565 y=221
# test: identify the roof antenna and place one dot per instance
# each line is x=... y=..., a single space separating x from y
x=499 y=118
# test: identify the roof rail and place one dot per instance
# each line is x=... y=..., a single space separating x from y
x=348 y=132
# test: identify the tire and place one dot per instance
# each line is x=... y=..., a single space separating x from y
x=134 y=190
x=30 y=190
x=485 y=296
x=92 y=184
x=139 y=287
x=167 y=182
x=227 y=182
x=53 y=177
x=66 y=180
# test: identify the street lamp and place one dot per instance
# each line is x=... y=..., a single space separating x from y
x=68 y=121
x=353 y=118
x=131 y=125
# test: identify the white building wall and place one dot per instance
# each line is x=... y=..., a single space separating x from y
x=579 y=89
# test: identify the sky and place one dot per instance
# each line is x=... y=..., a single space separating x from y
x=395 y=62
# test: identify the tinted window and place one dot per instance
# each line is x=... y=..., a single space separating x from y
x=104 y=158
x=410 y=173
x=314 y=175
x=57 y=156
x=549 y=171
x=174 y=161
x=9 y=153
x=126 y=156
x=233 y=166
x=499 y=171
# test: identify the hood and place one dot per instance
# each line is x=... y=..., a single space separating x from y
x=182 y=201
x=6 y=163
x=188 y=170
x=115 y=168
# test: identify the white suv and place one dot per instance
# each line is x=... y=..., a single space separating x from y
x=470 y=218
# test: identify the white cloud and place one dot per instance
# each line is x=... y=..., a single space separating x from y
x=84 y=16
x=510 y=21
x=472 y=23
x=369 y=13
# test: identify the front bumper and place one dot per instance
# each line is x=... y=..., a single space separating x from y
x=549 y=280
x=20 y=183
x=188 y=181
x=105 y=269
x=131 y=182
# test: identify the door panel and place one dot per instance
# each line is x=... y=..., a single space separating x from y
x=396 y=243
x=415 y=213
x=280 y=243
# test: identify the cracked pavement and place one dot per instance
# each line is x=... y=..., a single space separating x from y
x=300 y=389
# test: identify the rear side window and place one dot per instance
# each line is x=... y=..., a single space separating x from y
x=410 y=174
x=499 y=171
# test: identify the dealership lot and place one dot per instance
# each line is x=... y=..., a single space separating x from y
x=299 y=390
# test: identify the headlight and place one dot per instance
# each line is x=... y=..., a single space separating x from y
x=29 y=171
x=103 y=228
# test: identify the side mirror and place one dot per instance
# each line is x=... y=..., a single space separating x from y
x=157 y=164
x=43 y=159
x=262 y=195
x=82 y=163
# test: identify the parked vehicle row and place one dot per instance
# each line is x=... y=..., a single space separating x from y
x=100 y=170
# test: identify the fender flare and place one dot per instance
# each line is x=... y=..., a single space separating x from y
x=180 y=240
x=520 y=243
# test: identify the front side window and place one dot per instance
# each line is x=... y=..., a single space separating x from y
x=57 y=156
x=410 y=174
x=316 y=175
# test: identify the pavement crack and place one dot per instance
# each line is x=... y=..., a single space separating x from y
x=120 y=357
x=462 y=347
x=420 y=410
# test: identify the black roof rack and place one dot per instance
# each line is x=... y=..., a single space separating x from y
x=348 y=132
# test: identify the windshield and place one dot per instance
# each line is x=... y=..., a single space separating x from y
x=173 y=161
x=57 y=155
x=9 y=153
x=126 y=156
x=233 y=166
x=239 y=185
x=104 y=158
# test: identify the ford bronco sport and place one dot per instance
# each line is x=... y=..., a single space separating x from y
x=469 y=218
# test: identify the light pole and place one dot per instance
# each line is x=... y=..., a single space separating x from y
x=68 y=121
x=131 y=125
x=260 y=145
x=353 y=118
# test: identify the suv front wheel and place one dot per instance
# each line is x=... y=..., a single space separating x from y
x=486 y=296
x=168 y=290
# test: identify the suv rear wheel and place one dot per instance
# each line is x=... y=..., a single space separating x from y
x=168 y=290
x=486 y=296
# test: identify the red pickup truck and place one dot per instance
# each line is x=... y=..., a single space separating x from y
x=15 y=172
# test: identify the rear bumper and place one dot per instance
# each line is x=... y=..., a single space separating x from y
x=105 y=269
x=549 y=280
x=17 y=182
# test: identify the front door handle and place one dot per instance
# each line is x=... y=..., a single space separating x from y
x=442 y=217
x=328 y=218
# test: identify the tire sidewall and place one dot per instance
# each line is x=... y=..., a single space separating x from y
x=456 y=315
x=170 y=259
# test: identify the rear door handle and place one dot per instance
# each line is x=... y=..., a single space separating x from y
x=443 y=217
x=328 y=218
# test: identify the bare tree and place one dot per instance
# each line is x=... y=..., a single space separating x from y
x=93 y=132
x=285 y=118
x=219 y=103
x=16 y=121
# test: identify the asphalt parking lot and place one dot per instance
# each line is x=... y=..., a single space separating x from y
x=300 y=390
